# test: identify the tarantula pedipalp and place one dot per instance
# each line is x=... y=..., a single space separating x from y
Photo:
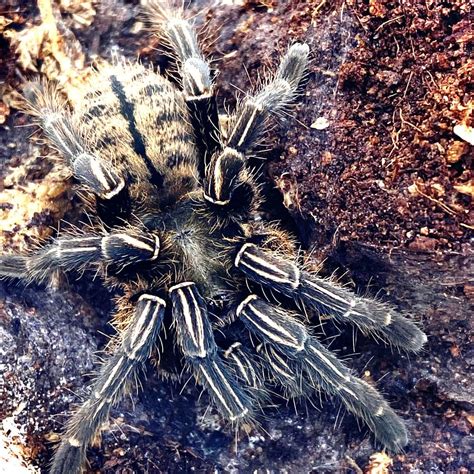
x=177 y=231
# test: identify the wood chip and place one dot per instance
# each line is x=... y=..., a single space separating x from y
x=320 y=123
x=465 y=132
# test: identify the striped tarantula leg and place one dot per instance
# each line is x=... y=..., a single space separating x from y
x=287 y=335
x=246 y=367
x=227 y=170
x=114 y=379
x=62 y=131
x=68 y=253
x=250 y=119
x=283 y=372
x=370 y=316
x=196 y=340
x=306 y=356
x=328 y=372
x=225 y=174
x=179 y=35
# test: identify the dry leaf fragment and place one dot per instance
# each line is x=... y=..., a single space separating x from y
x=83 y=13
x=320 y=123
x=4 y=112
x=289 y=190
x=379 y=464
x=456 y=151
x=465 y=132
x=51 y=42
x=4 y=22
x=27 y=44
x=470 y=419
x=467 y=188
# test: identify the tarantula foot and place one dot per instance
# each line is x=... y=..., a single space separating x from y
x=69 y=458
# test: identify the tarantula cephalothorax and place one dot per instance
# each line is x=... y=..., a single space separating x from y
x=176 y=229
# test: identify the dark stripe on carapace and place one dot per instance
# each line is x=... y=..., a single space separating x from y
x=137 y=77
x=109 y=141
x=164 y=116
x=97 y=110
x=127 y=109
x=151 y=90
x=92 y=95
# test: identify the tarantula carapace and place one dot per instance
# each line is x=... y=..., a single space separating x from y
x=176 y=229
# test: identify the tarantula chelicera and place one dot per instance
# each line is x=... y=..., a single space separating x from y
x=176 y=228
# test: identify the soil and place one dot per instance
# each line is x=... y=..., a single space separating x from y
x=375 y=180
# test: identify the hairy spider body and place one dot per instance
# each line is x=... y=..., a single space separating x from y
x=175 y=227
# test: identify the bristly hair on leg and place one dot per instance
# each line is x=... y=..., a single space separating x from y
x=177 y=34
x=45 y=101
x=116 y=375
x=300 y=361
x=42 y=97
x=371 y=317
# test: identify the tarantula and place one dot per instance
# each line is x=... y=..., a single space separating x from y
x=176 y=228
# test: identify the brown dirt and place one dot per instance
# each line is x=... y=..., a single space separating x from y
x=392 y=81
